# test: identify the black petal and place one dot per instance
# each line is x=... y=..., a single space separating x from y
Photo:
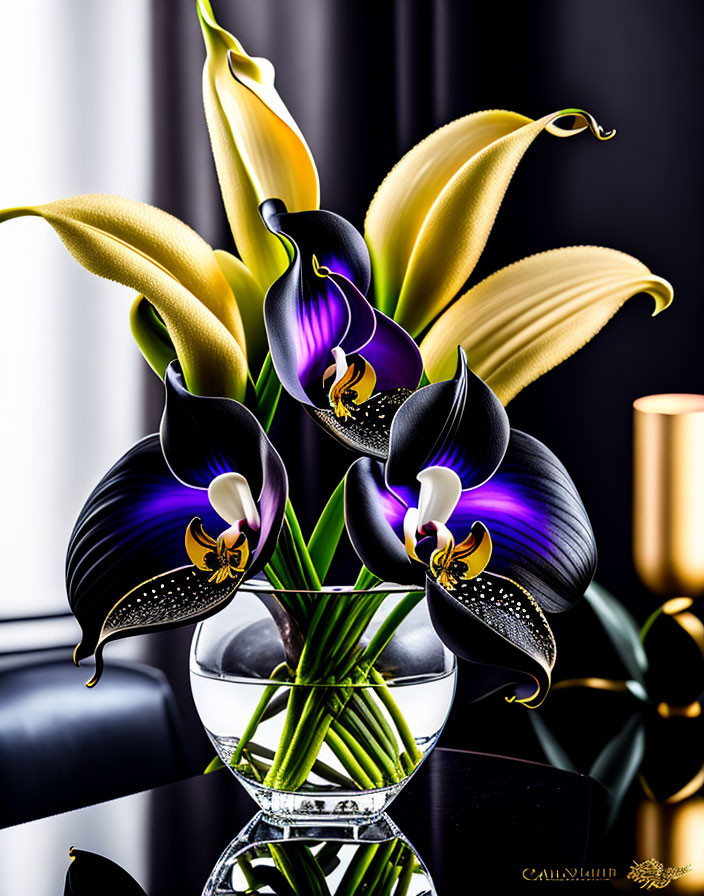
x=374 y=518
x=335 y=242
x=203 y=436
x=493 y=621
x=178 y=597
x=458 y=423
x=539 y=527
x=367 y=431
x=92 y=875
x=131 y=528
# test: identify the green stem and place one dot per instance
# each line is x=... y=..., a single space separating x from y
x=320 y=768
x=296 y=703
x=304 y=745
x=298 y=865
x=388 y=627
x=353 y=876
x=377 y=866
x=650 y=621
x=390 y=871
x=363 y=707
x=397 y=716
x=279 y=672
x=366 y=739
x=347 y=759
x=368 y=697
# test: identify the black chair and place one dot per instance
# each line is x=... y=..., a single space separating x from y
x=63 y=746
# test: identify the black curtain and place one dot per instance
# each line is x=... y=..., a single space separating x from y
x=367 y=79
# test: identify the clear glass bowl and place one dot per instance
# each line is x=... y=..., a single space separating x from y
x=373 y=858
x=322 y=723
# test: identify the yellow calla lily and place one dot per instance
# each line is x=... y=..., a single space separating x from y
x=250 y=302
x=530 y=316
x=430 y=218
x=258 y=148
x=167 y=262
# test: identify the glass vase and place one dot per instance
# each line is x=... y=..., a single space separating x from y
x=322 y=703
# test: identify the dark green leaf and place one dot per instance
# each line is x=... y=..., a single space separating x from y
x=621 y=629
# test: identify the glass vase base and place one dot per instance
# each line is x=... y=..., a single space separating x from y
x=324 y=807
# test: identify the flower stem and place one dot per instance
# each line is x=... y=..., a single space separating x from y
x=279 y=672
x=396 y=714
x=346 y=757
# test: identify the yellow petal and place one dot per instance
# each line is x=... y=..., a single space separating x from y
x=167 y=262
x=430 y=219
x=249 y=297
x=258 y=148
x=529 y=317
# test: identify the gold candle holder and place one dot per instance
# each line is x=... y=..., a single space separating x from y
x=668 y=493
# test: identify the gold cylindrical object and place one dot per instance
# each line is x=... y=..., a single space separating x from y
x=673 y=835
x=668 y=493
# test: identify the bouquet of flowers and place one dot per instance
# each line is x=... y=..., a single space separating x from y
x=378 y=340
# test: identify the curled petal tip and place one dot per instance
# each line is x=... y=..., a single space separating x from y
x=534 y=701
x=662 y=292
x=582 y=120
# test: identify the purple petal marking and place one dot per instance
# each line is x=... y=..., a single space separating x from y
x=323 y=317
x=540 y=530
x=394 y=356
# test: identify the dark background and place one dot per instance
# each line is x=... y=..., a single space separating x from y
x=368 y=79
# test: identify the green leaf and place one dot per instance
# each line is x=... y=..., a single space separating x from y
x=328 y=531
x=214 y=766
x=554 y=752
x=151 y=336
x=268 y=392
x=617 y=764
x=366 y=579
x=621 y=629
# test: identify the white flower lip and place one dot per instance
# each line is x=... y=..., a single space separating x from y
x=440 y=490
x=340 y=364
x=231 y=498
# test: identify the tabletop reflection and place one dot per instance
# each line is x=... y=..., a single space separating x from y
x=373 y=858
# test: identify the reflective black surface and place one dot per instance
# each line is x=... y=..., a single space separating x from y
x=469 y=816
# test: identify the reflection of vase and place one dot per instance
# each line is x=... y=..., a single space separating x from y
x=332 y=721
x=373 y=858
x=674 y=835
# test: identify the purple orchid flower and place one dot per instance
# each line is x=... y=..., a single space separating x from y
x=209 y=489
x=349 y=365
x=487 y=517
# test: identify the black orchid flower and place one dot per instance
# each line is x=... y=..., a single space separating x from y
x=486 y=516
x=209 y=489
x=348 y=364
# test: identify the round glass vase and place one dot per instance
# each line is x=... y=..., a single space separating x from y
x=324 y=703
